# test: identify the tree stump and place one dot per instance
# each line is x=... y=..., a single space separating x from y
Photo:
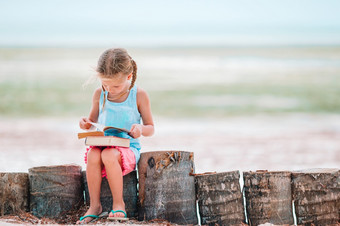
x=129 y=194
x=166 y=190
x=13 y=193
x=268 y=197
x=55 y=190
x=220 y=198
x=316 y=194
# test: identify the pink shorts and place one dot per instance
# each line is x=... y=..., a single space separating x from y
x=128 y=158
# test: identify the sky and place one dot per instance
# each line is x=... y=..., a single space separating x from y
x=176 y=22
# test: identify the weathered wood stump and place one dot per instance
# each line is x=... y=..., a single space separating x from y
x=166 y=190
x=13 y=193
x=268 y=197
x=55 y=190
x=220 y=198
x=129 y=194
x=316 y=194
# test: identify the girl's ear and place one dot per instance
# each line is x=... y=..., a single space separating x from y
x=129 y=76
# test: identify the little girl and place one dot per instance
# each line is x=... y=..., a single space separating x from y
x=119 y=103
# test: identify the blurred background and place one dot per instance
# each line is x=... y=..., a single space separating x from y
x=245 y=85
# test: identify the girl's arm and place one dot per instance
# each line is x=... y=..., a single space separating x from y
x=94 y=112
x=144 y=108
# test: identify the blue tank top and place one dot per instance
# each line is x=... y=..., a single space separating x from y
x=122 y=115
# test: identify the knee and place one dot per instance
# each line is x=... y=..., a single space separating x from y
x=94 y=156
x=110 y=155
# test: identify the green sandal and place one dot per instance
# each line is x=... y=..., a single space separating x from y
x=95 y=217
x=118 y=218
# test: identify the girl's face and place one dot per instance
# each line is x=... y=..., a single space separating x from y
x=116 y=85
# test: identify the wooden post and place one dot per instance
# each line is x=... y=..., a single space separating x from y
x=166 y=190
x=220 y=198
x=13 y=193
x=316 y=194
x=268 y=197
x=55 y=190
x=129 y=194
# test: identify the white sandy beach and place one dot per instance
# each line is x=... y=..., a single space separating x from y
x=237 y=143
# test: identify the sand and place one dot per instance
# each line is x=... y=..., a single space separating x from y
x=287 y=142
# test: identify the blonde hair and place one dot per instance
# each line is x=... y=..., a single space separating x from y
x=114 y=61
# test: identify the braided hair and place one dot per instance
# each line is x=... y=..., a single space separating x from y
x=114 y=61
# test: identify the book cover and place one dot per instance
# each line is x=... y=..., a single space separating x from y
x=90 y=133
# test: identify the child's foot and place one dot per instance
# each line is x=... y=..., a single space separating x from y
x=118 y=214
x=91 y=211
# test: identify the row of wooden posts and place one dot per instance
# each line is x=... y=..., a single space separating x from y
x=167 y=188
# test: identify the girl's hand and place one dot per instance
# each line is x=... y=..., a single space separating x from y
x=136 y=130
x=85 y=123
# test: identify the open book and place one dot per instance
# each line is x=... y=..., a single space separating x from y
x=103 y=130
x=110 y=129
x=105 y=136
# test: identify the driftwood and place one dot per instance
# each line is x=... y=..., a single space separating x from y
x=55 y=190
x=166 y=190
x=13 y=193
x=268 y=197
x=316 y=195
x=220 y=199
x=129 y=194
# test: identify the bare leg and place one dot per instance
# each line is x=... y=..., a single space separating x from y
x=94 y=180
x=112 y=161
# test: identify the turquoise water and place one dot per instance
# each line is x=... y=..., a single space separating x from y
x=173 y=23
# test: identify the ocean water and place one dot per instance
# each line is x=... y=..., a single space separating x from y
x=152 y=23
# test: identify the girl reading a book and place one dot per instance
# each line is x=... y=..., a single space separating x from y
x=119 y=103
